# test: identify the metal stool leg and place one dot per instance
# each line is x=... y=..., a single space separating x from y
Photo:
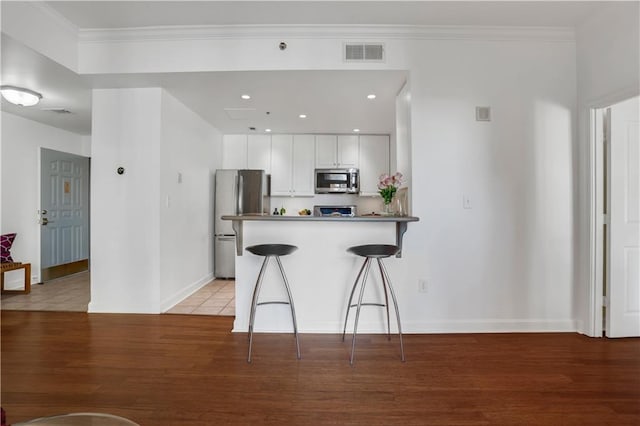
x=395 y=304
x=386 y=299
x=293 y=310
x=254 y=300
x=353 y=290
x=355 y=325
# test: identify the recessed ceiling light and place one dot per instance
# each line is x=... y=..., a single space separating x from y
x=371 y=96
x=356 y=130
x=267 y=130
x=245 y=97
x=303 y=116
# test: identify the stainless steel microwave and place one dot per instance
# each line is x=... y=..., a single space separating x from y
x=337 y=181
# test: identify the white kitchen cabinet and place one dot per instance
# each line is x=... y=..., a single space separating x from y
x=348 y=148
x=234 y=152
x=292 y=165
x=374 y=161
x=303 y=165
x=336 y=151
x=326 y=151
x=281 y=165
x=259 y=152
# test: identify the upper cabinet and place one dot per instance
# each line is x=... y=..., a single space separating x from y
x=336 y=151
x=303 y=165
x=291 y=160
x=292 y=165
x=374 y=161
x=246 y=152
x=259 y=152
x=234 y=151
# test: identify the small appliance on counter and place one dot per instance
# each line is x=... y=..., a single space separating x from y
x=238 y=192
x=339 y=211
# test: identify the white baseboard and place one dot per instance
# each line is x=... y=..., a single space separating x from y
x=177 y=297
x=427 y=327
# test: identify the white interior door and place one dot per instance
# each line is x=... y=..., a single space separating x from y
x=623 y=265
x=64 y=208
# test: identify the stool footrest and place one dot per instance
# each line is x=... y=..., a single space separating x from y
x=275 y=302
x=381 y=305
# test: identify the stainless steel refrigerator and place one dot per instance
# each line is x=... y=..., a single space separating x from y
x=237 y=192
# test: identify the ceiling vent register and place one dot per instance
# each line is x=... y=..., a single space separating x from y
x=364 y=52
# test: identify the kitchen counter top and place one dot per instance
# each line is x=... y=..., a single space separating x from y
x=400 y=221
x=362 y=218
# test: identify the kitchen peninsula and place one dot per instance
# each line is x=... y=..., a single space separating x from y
x=320 y=272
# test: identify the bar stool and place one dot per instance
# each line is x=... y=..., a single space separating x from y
x=271 y=251
x=369 y=252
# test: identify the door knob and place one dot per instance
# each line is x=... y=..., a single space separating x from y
x=44 y=221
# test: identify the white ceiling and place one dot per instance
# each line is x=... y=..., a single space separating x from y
x=123 y=14
x=335 y=101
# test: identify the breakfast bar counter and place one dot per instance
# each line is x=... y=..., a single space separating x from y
x=321 y=272
x=400 y=222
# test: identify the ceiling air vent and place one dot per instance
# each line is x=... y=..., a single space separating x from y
x=364 y=52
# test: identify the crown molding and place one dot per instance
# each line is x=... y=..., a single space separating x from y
x=401 y=32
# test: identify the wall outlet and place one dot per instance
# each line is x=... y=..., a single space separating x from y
x=422 y=286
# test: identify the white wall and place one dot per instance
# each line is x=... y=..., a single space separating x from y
x=608 y=70
x=55 y=37
x=191 y=152
x=20 y=147
x=403 y=135
x=151 y=239
x=505 y=264
x=510 y=261
x=125 y=219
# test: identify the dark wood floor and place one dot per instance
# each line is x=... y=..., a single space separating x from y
x=191 y=370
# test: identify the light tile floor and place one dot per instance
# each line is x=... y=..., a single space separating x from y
x=216 y=298
x=72 y=293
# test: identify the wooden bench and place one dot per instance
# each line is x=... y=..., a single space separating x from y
x=14 y=266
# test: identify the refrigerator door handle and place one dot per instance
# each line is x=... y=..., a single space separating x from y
x=240 y=192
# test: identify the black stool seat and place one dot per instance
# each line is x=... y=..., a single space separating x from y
x=374 y=250
x=272 y=249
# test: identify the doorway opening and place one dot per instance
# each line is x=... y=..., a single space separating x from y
x=63 y=218
x=616 y=218
x=64 y=214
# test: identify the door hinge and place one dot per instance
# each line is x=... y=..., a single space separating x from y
x=606 y=218
x=605 y=301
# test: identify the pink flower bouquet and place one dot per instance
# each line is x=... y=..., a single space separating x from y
x=388 y=185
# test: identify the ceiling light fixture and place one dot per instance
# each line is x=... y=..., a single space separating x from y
x=267 y=130
x=303 y=116
x=20 y=96
x=356 y=130
x=371 y=96
x=245 y=97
